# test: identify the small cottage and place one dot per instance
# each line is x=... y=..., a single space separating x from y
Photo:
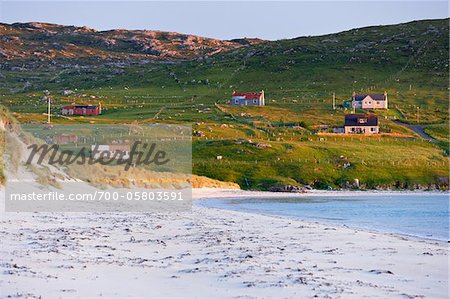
x=361 y=124
x=81 y=110
x=248 y=99
x=64 y=139
x=370 y=101
x=110 y=151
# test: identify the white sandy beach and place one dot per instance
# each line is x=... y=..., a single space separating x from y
x=209 y=253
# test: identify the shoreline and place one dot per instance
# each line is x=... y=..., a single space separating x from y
x=204 y=194
x=214 y=193
x=402 y=236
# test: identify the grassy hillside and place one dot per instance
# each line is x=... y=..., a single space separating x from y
x=288 y=141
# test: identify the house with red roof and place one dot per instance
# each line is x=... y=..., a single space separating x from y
x=370 y=101
x=64 y=139
x=248 y=99
x=81 y=110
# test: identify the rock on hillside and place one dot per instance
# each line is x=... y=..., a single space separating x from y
x=47 y=41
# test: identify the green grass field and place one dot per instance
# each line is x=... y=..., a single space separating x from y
x=376 y=163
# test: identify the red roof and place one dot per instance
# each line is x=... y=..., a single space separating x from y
x=79 y=107
x=255 y=95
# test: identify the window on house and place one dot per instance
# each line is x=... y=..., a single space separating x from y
x=362 y=120
x=255 y=101
x=236 y=101
x=372 y=129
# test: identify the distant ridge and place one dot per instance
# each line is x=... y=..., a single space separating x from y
x=44 y=41
x=48 y=41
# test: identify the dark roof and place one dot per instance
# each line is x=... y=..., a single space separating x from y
x=374 y=96
x=355 y=120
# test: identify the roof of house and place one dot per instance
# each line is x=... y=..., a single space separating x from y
x=374 y=96
x=254 y=95
x=119 y=147
x=78 y=107
x=355 y=120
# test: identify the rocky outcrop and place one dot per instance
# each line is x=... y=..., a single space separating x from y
x=288 y=188
x=49 y=41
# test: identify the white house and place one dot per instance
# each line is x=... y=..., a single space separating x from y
x=370 y=101
x=361 y=124
x=248 y=99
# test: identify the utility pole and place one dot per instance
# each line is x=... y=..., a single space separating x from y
x=48 y=110
x=418 y=116
x=334 y=101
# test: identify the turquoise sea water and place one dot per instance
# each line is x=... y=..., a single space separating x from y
x=424 y=215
